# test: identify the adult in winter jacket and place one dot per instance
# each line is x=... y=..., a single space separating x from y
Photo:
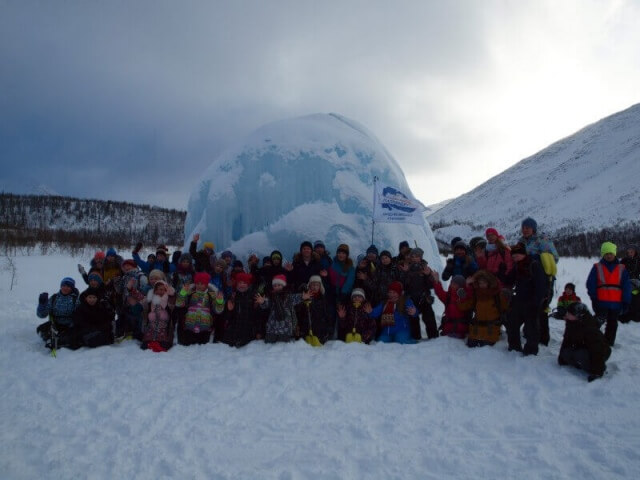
x=632 y=263
x=205 y=258
x=93 y=319
x=530 y=296
x=488 y=305
x=498 y=257
x=378 y=281
x=583 y=344
x=537 y=245
x=161 y=260
x=59 y=307
x=241 y=316
x=394 y=314
x=609 y=288
x=416 y=279
x=462 y=263
x=342 y=274
x=306 y=263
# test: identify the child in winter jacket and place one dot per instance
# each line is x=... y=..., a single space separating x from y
x=354 y=321
x=133 y=315
x=455 y=321
x=313 y=313
x=201 y=302
x=158 y=329
x=282 y=323
x=567 y=298
x=488 y=306
x=59 y=331
x=241 y=317
x=93 y=319
x=394 y=314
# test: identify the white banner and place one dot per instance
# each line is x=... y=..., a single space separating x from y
x=390 y=205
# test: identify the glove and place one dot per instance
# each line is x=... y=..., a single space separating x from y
x=138 y=247
x=81 y=270
x=43 y=298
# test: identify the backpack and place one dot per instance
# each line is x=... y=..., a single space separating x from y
x=548 y=264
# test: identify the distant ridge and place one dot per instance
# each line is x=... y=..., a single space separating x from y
x=27 y=219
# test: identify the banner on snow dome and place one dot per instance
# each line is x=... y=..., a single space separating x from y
x=390 y=205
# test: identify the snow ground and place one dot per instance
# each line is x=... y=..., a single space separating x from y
x=432 y=410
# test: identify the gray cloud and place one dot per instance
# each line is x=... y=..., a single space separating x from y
x=130 y=100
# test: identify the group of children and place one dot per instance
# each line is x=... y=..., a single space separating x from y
x=201 y=296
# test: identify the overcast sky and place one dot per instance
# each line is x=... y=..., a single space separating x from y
x=131 y=100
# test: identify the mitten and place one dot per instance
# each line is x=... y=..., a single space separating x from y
x=81 y=270
x=43 y=298
x=138 y=247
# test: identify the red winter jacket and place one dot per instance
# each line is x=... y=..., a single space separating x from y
x=455 y=322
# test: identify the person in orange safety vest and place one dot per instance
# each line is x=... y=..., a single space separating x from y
x=609 y=288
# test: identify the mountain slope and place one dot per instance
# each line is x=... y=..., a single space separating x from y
x=584 y=183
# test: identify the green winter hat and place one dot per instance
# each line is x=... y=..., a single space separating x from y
x=608 y=247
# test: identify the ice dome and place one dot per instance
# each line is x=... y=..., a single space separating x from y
x=307 y=178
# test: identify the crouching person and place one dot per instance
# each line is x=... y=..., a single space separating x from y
x=93 y=319
x=199 y=304
x=394 y=316
x=158 y=329
x=58 y=331
x=584 y=346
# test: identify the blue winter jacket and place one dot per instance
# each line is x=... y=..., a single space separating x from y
x=401 y=319
x=146 y=267
x=592 y=288
x=61 y=307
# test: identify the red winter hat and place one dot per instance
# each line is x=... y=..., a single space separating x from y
x=396 y=287
x=100 y=255
x=491 y=231
x=202 y=277
x=279 y=280
x=244 y=278
x=130 y=262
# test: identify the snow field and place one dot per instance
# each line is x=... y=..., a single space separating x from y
x=290 y=411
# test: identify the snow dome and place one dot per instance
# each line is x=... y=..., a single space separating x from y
x=307 y=178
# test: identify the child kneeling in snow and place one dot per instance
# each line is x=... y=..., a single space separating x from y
x=394 y=316
x=200 y=303
x=158 y=329
x=567 y=298
x=282 y=324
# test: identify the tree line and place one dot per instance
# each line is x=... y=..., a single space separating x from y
x=74 y=223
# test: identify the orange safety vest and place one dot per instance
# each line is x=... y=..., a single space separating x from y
x=609 y=286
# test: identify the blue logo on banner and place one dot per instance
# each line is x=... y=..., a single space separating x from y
x=396 y=200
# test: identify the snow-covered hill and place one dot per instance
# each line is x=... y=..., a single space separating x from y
x=583 y=183
x=304 y=178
